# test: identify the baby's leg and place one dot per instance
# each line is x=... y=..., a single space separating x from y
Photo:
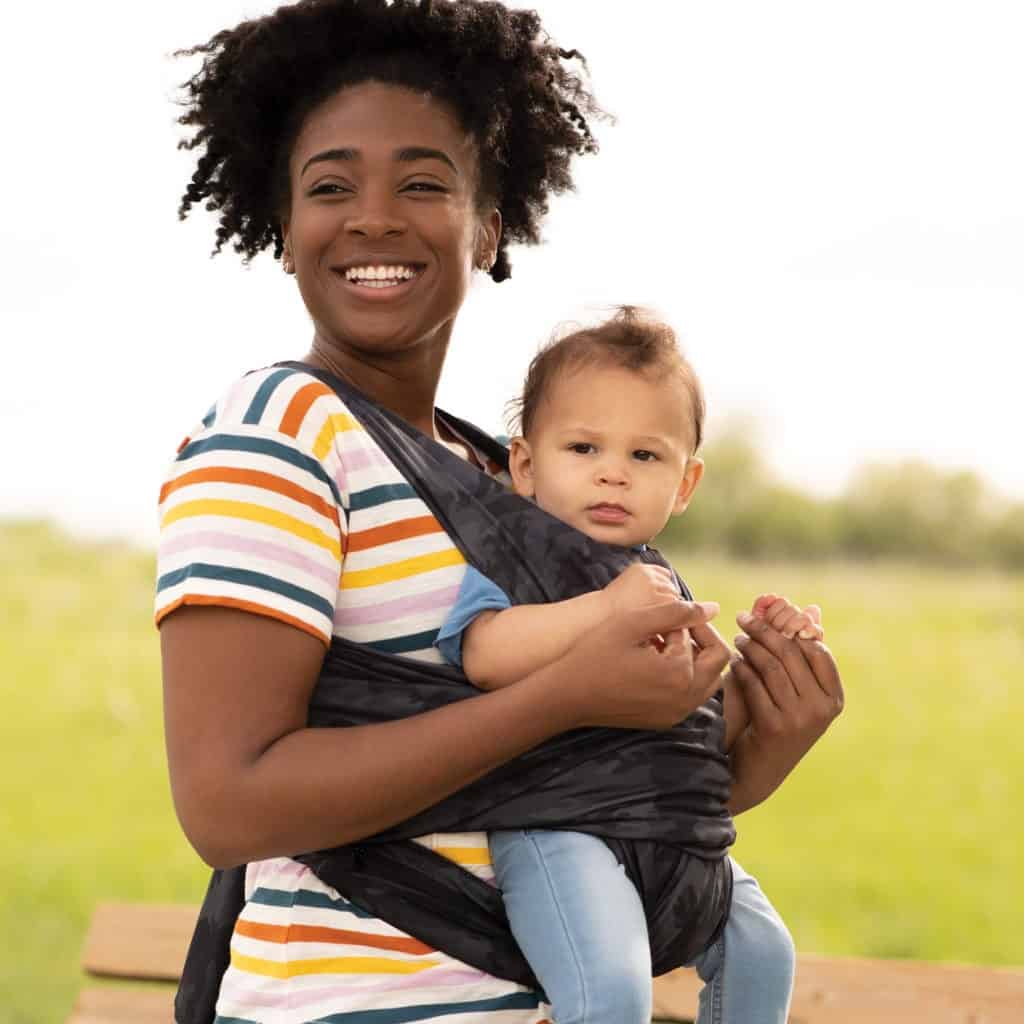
x=579 y=921
x=748 y=972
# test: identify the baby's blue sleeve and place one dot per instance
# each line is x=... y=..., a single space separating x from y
x=477 y=594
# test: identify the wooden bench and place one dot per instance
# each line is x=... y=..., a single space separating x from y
x=147 y=943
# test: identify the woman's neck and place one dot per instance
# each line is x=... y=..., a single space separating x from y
x=404 y=383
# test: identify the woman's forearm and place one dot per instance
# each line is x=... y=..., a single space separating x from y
x=501 y=648
x=316 y=788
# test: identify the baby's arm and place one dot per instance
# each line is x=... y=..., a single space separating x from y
x=790 y=621
x=502 y=647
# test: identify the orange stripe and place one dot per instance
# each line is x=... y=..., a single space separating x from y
x=299 y=406
x=218 y=600
x=420 y=526
x=252 y=478
x=281 y=933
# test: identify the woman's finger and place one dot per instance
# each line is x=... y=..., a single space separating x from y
x=711 y=652
x=666 y=617
x=824 y=670
x=756 y=695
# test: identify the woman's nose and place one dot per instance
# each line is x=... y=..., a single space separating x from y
x=375 y=216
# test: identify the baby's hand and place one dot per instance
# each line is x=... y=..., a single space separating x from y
x=638 y=586
x=788 y=619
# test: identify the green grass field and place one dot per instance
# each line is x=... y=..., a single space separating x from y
x=898 y=836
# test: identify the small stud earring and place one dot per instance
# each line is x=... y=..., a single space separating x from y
x=486 y=262
x=287 y=264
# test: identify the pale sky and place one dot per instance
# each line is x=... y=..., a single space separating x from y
x=824 y=198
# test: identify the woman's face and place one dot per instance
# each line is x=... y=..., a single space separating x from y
x=383 y=225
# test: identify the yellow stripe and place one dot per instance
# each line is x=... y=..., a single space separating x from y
x=332 y=965
x=254 y=514
x=400 y=570
x=465 y=854
x=336 y=423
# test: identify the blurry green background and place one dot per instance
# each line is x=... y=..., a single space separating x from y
x=898 y=836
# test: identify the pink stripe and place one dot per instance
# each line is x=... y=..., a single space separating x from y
x=293 y=996
x=390 y=610
x=366 y=456
x=246 y=546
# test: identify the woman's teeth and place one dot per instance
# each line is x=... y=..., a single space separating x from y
x=380 y=277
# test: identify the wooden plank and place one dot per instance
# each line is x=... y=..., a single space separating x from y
x=138 y=940
x=851 y=990
x=124 y=1006
x=148 y=941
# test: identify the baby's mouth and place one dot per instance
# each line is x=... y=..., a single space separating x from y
x=607 y=512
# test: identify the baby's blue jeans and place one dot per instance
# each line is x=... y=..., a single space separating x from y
x=578 y=919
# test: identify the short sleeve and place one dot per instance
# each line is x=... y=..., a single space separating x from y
x=476 y=594
x=252 y=512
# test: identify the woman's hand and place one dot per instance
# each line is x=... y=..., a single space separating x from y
x=793 y=693
x=616 y=677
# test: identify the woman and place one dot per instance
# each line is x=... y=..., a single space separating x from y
x=386 y=152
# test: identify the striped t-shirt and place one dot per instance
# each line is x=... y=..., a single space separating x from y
x=279 y=503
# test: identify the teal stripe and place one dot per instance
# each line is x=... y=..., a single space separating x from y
x=258 y=406
x=380 y=495
x=403 y=1015
x=260 y=446
x=233 y=1020
x=305 y=898
x=245 y=577
x=405 y=644
x=210 y=416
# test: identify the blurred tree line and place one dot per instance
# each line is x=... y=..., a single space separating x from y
x=908 y=511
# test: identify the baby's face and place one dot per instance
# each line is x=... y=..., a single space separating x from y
x=610 y=453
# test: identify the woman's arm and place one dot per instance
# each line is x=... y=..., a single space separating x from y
x=251 y=781
x=793 y=692
x=502 y=647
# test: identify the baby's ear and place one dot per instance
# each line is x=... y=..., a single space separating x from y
x=691 y=477
x=520 y=465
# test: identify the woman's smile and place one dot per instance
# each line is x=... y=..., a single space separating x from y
x=380 y=282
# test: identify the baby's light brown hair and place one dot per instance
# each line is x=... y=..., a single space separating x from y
x=632 y=339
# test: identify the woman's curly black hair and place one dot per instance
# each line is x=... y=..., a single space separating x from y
x=508 y=84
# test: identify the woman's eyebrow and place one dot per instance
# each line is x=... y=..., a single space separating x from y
x=409 y=154
x=405 y=155
x=329 y=154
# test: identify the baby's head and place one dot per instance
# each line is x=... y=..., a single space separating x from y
x=609 y=423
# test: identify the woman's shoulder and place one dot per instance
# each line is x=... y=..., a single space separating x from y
x=281 y=399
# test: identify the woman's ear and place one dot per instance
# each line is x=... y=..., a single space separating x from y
x=287 y=258
x=520 y=465
x=691 y=477
x=487 y=239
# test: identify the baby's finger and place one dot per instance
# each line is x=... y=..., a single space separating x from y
x=785 y=621
x=814 y=613
x=810 y=631
x=763 y=603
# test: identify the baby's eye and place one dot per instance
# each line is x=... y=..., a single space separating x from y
x=581 y=447
x=643 y=455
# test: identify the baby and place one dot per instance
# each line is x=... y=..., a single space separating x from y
x=611 y=418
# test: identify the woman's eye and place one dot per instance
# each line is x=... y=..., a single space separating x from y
x=643 y=455
x=424 y=186
x=581 y=448
x=328 y=188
